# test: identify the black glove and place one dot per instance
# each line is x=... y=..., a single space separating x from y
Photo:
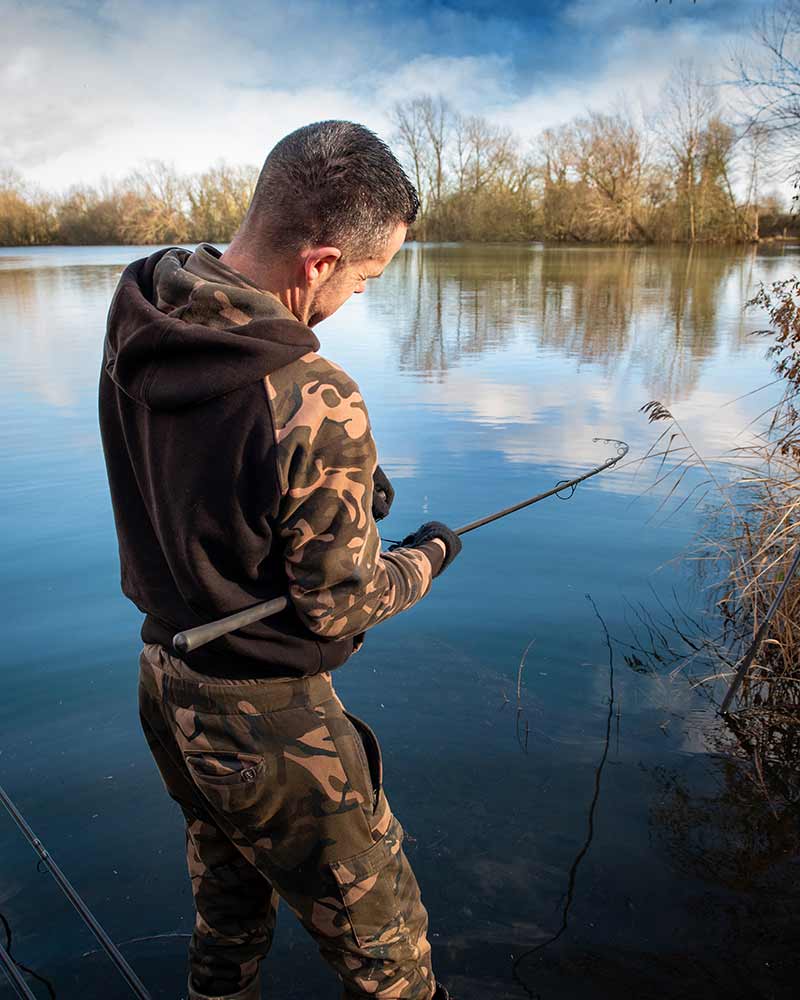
x=383 y=494
x=429 y=531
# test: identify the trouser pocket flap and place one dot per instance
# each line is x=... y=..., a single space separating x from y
x=221 y=767
x=371 y=861
x=231 y=782
x=372 y=889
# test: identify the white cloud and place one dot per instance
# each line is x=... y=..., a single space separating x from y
x=84 y=98
x=468 y=82
x=638 y=62
x=552 y=416
x=86 y=93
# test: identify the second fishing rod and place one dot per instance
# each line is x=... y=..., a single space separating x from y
x=194 y=638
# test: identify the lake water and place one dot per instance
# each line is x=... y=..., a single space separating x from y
x=597 y=805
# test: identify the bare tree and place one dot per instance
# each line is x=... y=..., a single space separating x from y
x=561 y=195
x=460 y=153
x=755 y=144
x=687 y=106
x=487 y=154
x=768 y=72
x=412 y=137
x=218 y=200
x=437 y=122
x=157 y=208
x=558 y=155
x=26 y=215
x=611 y=157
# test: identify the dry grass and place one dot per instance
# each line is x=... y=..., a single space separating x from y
x=755 y=527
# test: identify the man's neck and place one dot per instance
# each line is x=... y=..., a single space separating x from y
x=267 y=277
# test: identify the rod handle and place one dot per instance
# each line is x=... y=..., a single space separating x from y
x=193 y=638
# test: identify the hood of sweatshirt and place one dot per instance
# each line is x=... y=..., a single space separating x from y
x=184 y=328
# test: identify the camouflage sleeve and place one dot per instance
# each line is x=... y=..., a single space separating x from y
x=340 y=582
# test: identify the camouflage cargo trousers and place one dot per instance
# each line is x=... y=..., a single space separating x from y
x=281 y=791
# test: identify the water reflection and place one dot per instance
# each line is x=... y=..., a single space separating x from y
x=52 y=329
x=736 y=829
x=762 y=730
x=663 y=312
x=741 y=840
x=451 y=302
x=659 y=308
x=729 y=837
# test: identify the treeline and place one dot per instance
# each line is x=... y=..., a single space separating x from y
x=595 y=179
x=679 y=173
x=152 y=205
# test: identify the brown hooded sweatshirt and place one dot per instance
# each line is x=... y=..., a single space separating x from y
x=240 y=463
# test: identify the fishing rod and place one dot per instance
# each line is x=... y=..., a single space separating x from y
x=565 y=484
x=185 y=642
x=71 y=893
x=193 y=638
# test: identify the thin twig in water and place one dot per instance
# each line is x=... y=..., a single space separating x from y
x=523 y=745
x=24 y=968
x=521 y=668
x=573 y=872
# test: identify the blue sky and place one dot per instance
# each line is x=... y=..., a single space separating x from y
x=89 y=90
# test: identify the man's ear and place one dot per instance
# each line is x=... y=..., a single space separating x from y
x=319 y=264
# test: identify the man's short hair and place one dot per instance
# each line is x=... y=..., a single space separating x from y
x=333 y=183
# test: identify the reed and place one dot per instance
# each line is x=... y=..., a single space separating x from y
x=754 y=518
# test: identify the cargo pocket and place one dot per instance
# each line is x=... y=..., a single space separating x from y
x=230 y=781
x=370 y=753
x=370 y=888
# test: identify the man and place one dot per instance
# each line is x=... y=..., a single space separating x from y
x=242 y=468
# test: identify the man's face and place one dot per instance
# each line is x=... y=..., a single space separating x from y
x=350 y=278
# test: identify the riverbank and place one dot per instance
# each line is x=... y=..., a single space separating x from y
x=789 y=236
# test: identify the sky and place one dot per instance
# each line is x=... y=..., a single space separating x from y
x=93 y=90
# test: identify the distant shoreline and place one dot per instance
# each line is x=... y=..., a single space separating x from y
x=786 y=237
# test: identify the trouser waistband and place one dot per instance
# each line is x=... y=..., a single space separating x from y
x=168 y=678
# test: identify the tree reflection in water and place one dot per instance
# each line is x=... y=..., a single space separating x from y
x=744 y=837
x=606 y=306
